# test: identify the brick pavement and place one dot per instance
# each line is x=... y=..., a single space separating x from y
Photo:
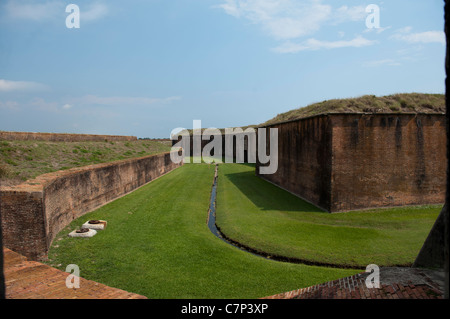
x=395 y=283
x=33 y=280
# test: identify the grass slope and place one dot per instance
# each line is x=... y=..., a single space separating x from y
x=23 y=160
x=157 y=244
x=396 y=103
x=264 y=217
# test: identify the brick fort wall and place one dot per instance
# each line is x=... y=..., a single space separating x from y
x=34 y=212
x=304 y=159
x=342 y=162
x=388 y=160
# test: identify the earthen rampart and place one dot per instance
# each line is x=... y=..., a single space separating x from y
x=63 y=137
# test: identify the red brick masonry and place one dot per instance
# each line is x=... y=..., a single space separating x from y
x=395 y=283
x=35 y=211
x=32 y=280
x=343 y=162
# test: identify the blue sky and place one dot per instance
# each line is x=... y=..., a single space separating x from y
x=146 y=67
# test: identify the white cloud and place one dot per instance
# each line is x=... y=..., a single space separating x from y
x=21 y=86
x=313 y=44
x=345 y=13
x=30 y=10
x=47 y=10
x=281 y=19
x=9 y=105
x=231 y=8
x=378 y=63
x=411 y=53
x=404 y=30
x=36 y=102
x=377 y=30
x=405 y=34
x=94 y=12
x=43 y=105
x=288 y=20
x=122 y=101
x=90 y=103
x=291 y=19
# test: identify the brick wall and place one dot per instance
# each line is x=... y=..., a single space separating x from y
x=388 y=160
x=23 y=221
x=57 y=137
x=232 y=138
x=304 y=159
x=34 y=212
x=342 y=162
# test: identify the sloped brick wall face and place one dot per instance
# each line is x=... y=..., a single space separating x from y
x=304 y=159
x=341 y=162
x=56 y=137
x=34 y=213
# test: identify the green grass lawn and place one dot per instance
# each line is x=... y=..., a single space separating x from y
x=157 y=244
x=267 y=218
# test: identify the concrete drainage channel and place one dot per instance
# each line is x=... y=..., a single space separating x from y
x=89 y=229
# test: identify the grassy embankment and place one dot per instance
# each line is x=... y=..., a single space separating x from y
x=396 y=103
x=23 y=160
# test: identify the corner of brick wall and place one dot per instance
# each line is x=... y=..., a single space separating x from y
x=23 y=221
x=351 y=161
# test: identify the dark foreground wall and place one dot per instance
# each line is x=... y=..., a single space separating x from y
x=34 y=212
x=2 y=275
x=342 y=162
x=435 y=250
x=60 y=137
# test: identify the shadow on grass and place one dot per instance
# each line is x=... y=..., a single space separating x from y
x=267 y=196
